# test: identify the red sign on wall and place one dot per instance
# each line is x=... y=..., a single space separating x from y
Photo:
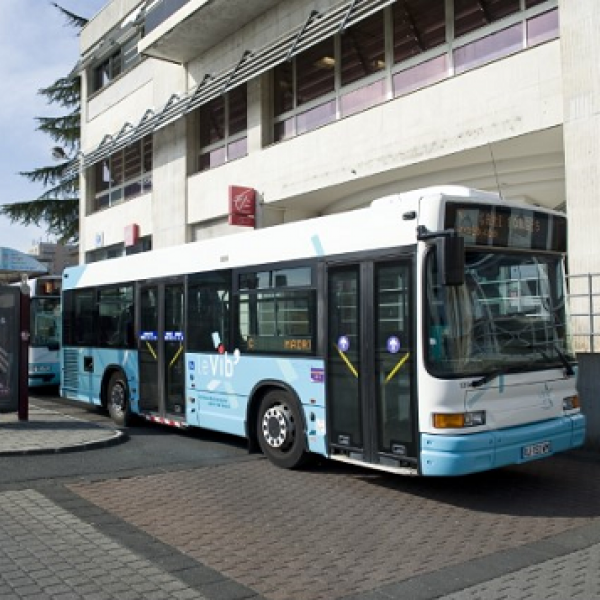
x=132 y=234
x=242 y=206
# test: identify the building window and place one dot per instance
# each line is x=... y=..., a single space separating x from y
x=123 y=175
x=418 y=26
x=114 y=251
x=144 y=244
x=474 y=14
x=304 y=91
x=122 y=59
x=352 y=71
x=223 y=129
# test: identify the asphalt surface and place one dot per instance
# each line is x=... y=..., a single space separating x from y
x=229 y=525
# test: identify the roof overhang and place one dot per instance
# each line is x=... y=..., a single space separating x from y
x=197 y=26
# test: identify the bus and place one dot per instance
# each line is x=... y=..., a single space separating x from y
x=427 y=334
x=44 y=343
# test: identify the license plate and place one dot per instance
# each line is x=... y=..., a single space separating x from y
x=538 y=449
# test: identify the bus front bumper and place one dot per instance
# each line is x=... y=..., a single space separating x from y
x=446 y=455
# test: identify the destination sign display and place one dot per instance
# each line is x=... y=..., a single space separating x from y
x=507 y=227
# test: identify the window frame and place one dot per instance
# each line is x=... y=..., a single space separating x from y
x=291 y=345
x=230 y=146
x=117 y=186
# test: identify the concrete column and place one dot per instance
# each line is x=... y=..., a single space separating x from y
x=580 y=51
x=169 y=186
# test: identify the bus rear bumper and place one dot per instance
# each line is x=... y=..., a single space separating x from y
x=446 y=455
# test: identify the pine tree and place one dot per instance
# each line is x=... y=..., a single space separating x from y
x=58 y=206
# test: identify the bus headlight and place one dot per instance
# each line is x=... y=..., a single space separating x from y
x=458 y=420
x=571 y=402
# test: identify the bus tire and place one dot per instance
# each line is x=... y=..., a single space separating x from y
x=280 y=430
x=117 y=399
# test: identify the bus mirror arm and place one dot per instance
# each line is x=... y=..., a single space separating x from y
x=450 y=251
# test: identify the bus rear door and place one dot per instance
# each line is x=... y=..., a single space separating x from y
x=161 y=351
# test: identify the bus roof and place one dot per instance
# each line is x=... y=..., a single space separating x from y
x=379 y=226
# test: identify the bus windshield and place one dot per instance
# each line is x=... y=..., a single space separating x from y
x=509 y=316
x=45 y=321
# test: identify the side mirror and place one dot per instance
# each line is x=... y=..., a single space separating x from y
x=451 y=259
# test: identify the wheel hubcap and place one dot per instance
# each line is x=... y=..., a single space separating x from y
x=278 y=427
x=117 y=399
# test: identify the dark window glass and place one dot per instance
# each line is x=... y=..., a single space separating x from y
x=208 y=311
x=132 y=161
x=315 y=72
x=238 y=110
x=274 y=315
x=363 y=49
x=124 y=175
x=418 y=26
x=212 y=121
x=221 y=119
x=283 y=88
x=473 y=14
x=79 y=318
x=277 y=321
x=115 y=317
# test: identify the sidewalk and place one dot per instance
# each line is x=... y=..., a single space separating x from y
x=47 y=431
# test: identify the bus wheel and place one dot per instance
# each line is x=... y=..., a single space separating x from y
x=280 y=430
x=118 y=399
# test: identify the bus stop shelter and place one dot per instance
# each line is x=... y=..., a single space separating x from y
x=15 y=266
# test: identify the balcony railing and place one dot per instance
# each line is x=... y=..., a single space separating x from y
x=584 y=302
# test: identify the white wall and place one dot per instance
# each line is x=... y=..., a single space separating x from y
x=513 y=97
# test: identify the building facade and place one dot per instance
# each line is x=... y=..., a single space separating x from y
x=321 y=106
x=56 y=257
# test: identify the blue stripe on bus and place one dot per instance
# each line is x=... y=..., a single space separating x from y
x=463 y=454
x=317 y=245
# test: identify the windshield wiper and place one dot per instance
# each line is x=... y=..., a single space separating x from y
x=565 y=361
x=486 y=378
x=497 y=372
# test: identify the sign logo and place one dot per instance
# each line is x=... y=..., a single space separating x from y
x=242 y=206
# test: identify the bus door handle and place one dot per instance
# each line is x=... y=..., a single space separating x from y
x=88 y=364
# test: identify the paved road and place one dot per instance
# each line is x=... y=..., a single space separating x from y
x=175 y=515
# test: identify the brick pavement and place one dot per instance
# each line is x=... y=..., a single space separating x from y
x=47 y=553
x=332 y=532
x=247 y=530
x=576 y=575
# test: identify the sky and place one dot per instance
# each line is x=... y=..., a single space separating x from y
x=37 y=46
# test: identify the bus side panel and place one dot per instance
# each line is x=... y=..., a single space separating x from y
x=222 y=383
x=84 y=369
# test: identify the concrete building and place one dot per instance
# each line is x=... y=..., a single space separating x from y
x=320 y=106
x=55 y=256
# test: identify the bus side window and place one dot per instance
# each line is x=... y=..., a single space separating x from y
x=208 y=311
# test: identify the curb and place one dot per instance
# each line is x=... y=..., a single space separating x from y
x=118 y=437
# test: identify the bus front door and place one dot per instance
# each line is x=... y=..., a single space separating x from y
x=161 y=352
x=370 y=377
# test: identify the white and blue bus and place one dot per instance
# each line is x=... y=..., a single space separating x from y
x=427 y=334
x=44 y=341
